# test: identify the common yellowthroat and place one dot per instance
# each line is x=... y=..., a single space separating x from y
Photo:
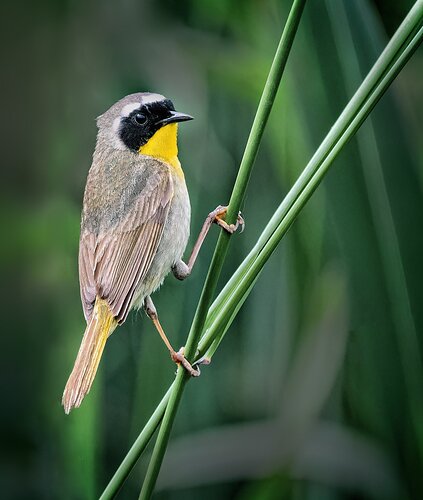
x=134 y=228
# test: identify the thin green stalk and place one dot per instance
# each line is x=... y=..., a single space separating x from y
x=385 y=61
x=375 y=84
x=136 y=449
x=238 y=193
x=389 y=246
x=238 y=295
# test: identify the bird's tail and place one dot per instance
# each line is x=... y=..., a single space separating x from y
x=99 y=328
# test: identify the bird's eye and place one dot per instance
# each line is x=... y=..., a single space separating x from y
x=140 y=119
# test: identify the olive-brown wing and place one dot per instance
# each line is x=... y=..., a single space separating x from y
x=113 y=262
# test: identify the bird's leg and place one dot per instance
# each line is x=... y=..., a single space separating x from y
x=181 y=270
x=177 y=357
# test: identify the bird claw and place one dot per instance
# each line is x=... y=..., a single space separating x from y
x=204 y=360
x=220 y=212
x=194 y=369
x=180 y=359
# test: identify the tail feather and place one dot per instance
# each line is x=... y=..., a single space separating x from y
x=99 y=328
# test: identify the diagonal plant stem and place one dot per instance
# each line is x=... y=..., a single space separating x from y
x=386 y=234
x=136 y=449
x=240 y=292
x=401 y=47
x=396 y=54
x=238 y=193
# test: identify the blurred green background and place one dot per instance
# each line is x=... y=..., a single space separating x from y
x=316 y=393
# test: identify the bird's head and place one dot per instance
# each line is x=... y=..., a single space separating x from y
x=142 y=122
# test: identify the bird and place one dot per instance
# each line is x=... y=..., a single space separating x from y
x=135 y=226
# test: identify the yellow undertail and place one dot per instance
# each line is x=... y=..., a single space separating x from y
x=100 y=327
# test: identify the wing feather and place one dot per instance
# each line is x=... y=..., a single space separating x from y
x=114 y=262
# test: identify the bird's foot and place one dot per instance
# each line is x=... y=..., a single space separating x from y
x=218 y=215
x=193 y=370
x=180 y=359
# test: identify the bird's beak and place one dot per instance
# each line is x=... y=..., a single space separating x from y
x=174 y=118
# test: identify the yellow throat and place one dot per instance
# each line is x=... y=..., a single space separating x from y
x=163 y=145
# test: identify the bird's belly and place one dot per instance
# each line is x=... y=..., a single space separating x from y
x=172 y=244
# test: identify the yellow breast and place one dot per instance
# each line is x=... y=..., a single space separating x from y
x=163 y=145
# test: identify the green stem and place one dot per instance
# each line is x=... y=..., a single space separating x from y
x=375 y=84
x=240 y=291
x=388 y=240
x=137 y=448
x=363 y=94
x=238 y=193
